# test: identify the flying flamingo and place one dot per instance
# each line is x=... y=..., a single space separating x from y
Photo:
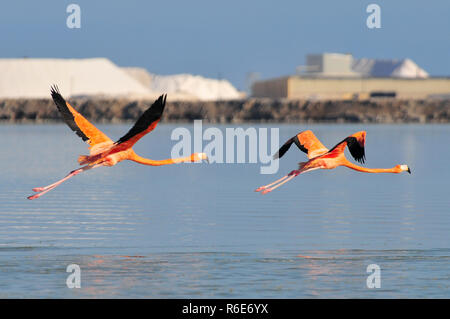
x=322 y=158
x=105 y=152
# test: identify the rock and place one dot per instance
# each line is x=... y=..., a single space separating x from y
x=237 y=111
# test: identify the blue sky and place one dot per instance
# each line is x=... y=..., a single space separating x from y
x=227 y=39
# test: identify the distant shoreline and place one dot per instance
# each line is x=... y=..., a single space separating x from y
x=253 y=110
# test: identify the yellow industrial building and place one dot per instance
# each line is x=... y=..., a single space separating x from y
x=339 y=76
x=299 y=87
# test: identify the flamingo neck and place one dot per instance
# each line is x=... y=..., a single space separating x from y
x=371 y=170
x=146 y=161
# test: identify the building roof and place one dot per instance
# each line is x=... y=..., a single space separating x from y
x=344 y=65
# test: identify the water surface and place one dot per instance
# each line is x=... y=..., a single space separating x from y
x=199 y=231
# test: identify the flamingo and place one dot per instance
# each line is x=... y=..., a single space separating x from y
x=105 y=152
x=322 y=158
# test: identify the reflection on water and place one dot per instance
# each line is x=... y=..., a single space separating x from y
x=197 y=230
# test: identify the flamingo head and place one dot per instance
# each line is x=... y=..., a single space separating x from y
x=404 y=168
x=200 y=157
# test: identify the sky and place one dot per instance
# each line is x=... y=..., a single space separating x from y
x=227 y=39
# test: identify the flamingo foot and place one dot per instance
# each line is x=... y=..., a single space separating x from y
x=44 y=191
x=36 y=195
x=269 y=187
x=33 y=196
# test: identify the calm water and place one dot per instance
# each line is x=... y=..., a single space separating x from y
x=199 y=231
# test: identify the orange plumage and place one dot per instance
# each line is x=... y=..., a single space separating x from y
x=322 y=158
x=105 y=152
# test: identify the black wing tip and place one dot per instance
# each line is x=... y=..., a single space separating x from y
x=362 y=159
x=153 y=113
x=158 y=106
x=162 y=99
x=160 y=103
x=284 y=148
x=56 y=96
x=361 y=154
x=54 y=90
x=357 y=150
x=65 y=112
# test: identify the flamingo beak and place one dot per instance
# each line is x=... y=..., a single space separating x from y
x=207 y=159
x=409 y=170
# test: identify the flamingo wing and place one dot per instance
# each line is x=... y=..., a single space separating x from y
x=145 y=124
x=356 y=145
x=307 y=142
x=82 y=127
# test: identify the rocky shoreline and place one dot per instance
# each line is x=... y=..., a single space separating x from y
x=237 y=111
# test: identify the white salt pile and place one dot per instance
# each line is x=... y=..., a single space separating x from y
x=139 y=74
x=195 y=85
x=186 y=86
x=31 y=78
x=99 y=77
x=388 y=68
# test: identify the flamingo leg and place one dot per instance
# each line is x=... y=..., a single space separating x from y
x=42 y=190
x=268 y=185
x=51 y=186
x=277 y=181
x=267 y=190
x=291 y=176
